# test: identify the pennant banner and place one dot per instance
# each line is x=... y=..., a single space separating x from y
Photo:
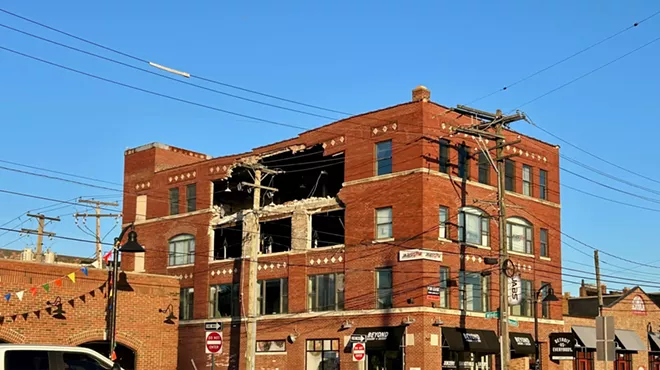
x=19 y=295
x=72 y=277
x=47 y=286
x=7 y=297
x=58 y=282
x=84 y=271
x=33 y=291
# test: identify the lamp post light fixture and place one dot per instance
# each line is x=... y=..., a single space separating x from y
x=549 y=297
x=171 y=317
x=131 y=246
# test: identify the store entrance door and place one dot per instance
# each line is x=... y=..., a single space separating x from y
x=384 y=360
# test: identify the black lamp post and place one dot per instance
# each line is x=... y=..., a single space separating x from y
x=550 y=297
x=131 y=246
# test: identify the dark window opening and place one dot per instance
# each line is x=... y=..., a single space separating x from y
x=384 y=158
x=510 y=175
x=228 y=242
x=174 y=201
x=230 y=195
x=275 y=236
x=463 y=161
x=484 y=168
x=443 y=155
x=224 y=300
x=273 y=296
x=543 y=184
x=191 y=197
x=328 y=229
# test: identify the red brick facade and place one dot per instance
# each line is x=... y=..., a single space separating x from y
x=140 y=326
x=414 y=190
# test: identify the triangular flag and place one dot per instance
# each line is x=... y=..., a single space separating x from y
x=46 y=287
x=72 y=302
x=33 y=291
x=20 y=295
x=72 y=277
x=114 y=356
x=92 y=293
x=13 y=317
x=84 y=271
x=37 y=313
x=49 y=310
x=8 y=296
x=58 y=282
x=2 y=320
x=82 y=298
x=106 y=257
x=25 y=315
x=101 y=288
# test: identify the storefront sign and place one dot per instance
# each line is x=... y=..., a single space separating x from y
x=472 y=337
x=515 y=290
x=638 y=306
x=377 y=335
x=448 y=364
x=562 y=346
x=522 y=341
x=420 y=254
x=433 y=293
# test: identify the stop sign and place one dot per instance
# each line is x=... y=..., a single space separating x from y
x=358 y=352
x=213 y=342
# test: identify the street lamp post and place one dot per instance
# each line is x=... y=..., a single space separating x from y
x=131 y=246
x=549 y=297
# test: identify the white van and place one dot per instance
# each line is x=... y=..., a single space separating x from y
x=45 y=357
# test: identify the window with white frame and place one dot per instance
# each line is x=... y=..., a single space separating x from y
x=473 y=292
x=527 y=180
x=384 y=287
x=384 y=223
x=325 y=292
x=181 y=250
x=473 y=226
x=443 y=218
x=186 y=299
x=519 y=235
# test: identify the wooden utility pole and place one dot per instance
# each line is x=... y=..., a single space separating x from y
x=98 y=215
x=253 y=239
x=497 y=121
x=600 y=292
x=40 y=232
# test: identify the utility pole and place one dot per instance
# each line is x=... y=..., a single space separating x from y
x=600 y=292
x=253 y=239
x=484 y=130
x=40 y=232
x=98 y=215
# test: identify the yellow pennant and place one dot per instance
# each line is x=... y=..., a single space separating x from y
x=72 y=277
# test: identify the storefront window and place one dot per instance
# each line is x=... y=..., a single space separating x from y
x=623 y=361
x=453 y=360
x=584 y=360
x=322 y=354
x=654 y=360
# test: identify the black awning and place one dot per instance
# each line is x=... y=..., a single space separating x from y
x=382 y=338
x=654 y=340
x=522 y=343
x=470 y=340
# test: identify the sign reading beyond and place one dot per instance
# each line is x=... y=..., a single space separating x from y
x=420 y=254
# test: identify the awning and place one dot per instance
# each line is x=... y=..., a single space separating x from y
x=522 y=343
x=629 y=340
x=654 y=340
x=470 y=340
x=586 y=335
x=382 y=338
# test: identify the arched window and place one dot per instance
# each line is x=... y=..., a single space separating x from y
x=182 y=250
x=473 y=226
x=519 y=235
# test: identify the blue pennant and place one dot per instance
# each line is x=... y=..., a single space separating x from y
x=8 y=296
x=84 y=271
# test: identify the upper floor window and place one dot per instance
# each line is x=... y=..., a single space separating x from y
x=545 y=306
x=543 y=184
x=444 y=287
x=443 y=225
x=182 y=250
x=519 y=235
x=224 y=301
x=191 y=197
x=384 y=287
x=463 y=161
x=473 y=291
x=384 y=157
x=384 y=223
x=527 y=180
x=325 y=292
x=443 y=155
x=543 y=235
x=473 y=226
x=174 y=201
x=484 y=168
x=273 y=296
x=186 y=298
x=509 y=175
x=525 y=306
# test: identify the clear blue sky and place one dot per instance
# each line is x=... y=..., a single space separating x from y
x=347 y=55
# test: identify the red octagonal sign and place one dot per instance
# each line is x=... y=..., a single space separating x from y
x=358 y=352
x=213 y=342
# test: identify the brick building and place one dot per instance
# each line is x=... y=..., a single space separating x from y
x=145 y=340
x=361 y=237
x=637 y=334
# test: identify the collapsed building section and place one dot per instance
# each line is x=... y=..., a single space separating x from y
x=228 y=241
x=328 y=229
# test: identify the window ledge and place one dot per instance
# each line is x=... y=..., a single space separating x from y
x=445 y=240
x=477 y=246
x=545 y=258
x=271 y=353
x=181 y=266
x=225 y=260
x=521 y=254
x=387 y=240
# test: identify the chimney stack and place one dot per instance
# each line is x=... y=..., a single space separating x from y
x=421 y=93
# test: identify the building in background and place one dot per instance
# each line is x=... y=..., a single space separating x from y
x=362 y=237
x=67 y=304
